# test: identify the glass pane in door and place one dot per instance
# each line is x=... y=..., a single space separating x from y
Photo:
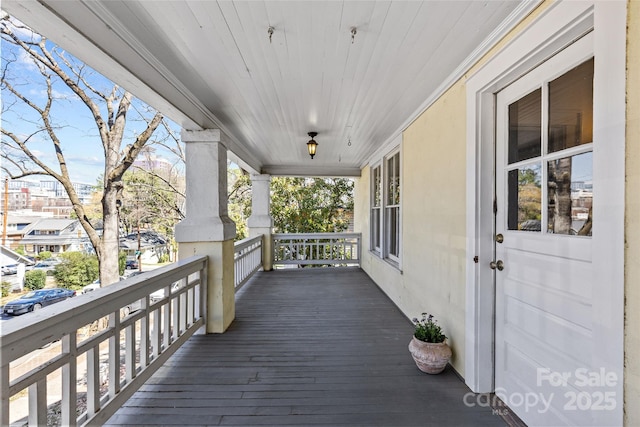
x=571 y=108
x=525 y=127
x=524 y=199
x=570 y=195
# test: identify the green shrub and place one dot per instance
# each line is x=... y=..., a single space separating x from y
x=6 y=288
x=76 y=269
x=428 y=330
x=44 y=255
x=163 y=258
x=35 y=279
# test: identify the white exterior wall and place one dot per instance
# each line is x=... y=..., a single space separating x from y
x=632 y=221
x=387 y=277
x=433 y=222
x=434 y=257
x=434 y=214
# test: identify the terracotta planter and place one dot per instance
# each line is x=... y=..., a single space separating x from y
x=430 y=357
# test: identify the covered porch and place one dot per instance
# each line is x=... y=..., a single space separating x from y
x=312 y=346
x=403 y=97
x=308 y=346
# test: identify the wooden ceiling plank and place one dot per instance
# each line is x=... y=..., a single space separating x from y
x=376 y=81
x=356 y=72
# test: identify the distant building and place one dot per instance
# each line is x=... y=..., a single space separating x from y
x=17 y=223
x=153 y=163
x=48 y=197
x=49 y=189
x=56 y=235
x=82 y=190
x=18 y=199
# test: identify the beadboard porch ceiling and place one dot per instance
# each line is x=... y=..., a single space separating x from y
x=212 y=64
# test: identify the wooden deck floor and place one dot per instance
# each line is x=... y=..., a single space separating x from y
x=308 y=347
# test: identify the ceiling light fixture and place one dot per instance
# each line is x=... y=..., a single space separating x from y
x=312 y=144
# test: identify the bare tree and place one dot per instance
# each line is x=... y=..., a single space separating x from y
x=167 y=186
x=108 y=108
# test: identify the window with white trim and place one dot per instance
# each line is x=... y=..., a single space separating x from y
x=392 y=207
x=376 y=207
x=385 y=208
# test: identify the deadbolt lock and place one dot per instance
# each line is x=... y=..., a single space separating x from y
x=499 y=265
x=499 y=238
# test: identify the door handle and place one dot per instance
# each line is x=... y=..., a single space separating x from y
x=499 y=265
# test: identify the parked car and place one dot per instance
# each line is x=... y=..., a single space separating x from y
x=10 y=269
x=135 y=273
x=126 y=310
x=48 y=266
x=94 y=285
x=132 y=264
x=35 y=300
x=91 y=287
x=161 y=294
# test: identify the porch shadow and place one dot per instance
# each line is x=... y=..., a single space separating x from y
x=314 y=346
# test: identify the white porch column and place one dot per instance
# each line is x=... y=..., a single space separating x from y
x=207 y=228
x=260 y=221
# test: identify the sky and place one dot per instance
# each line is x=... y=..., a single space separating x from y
x=75 y=126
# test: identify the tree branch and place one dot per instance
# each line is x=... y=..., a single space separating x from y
x=167 y=182
x=132 y=151
x=78 y=72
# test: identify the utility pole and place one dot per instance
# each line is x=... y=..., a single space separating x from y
x=5 y=212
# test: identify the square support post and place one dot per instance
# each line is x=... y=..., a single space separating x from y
x=260 y=221
x=207 y=228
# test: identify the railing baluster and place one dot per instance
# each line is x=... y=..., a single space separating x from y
x=4 y=394
x=69 y=380
x=166 y=332
x=156 y=334
x=93 y=380
x=38 y=402
x=130 y=352
x=190 y=307
x=114 y=354
x=144 y=335
x=175 y=306
x=183 y=312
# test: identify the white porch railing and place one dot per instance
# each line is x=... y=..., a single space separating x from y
x=247 y=259
x=112 y=352
x=317 y=249
x=104 y=345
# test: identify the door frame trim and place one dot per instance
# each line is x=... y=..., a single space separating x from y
x=556 y=27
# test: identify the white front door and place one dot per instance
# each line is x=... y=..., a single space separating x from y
x=543 y=251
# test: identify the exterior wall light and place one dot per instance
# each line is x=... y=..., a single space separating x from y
x=312 y=145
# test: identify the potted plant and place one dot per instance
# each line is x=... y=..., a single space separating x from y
x=428 y=347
